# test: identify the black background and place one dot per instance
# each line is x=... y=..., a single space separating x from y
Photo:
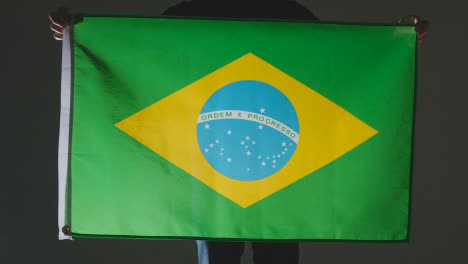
x=30 y=100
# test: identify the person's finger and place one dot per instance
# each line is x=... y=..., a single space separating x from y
x=420 y=38
x=56 y=28
x=55 y=18
x=421 y=35
x=58 y=36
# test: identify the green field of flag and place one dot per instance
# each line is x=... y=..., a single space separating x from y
x=238 y=129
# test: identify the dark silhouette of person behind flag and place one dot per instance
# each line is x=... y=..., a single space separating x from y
x=229 y=252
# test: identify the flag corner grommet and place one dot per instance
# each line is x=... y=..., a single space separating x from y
x=66 y=230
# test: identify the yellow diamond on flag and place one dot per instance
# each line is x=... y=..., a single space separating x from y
x=169 y=128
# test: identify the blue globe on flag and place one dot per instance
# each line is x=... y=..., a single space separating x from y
x=248 y=130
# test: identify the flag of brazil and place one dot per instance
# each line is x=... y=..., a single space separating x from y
x=235 y=129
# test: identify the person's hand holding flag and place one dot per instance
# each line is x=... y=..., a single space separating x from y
x=421 y=26
x=59 y=19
